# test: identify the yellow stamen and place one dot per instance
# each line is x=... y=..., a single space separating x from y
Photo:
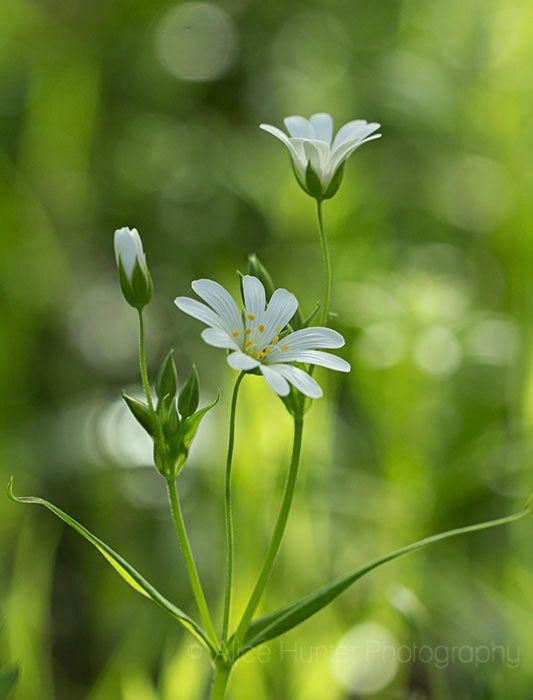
x=248 y=331
x=260 y=355
x=268 y=350
x=284 y=347
x=250 y=317
x=235 y=334
x=261 y=328
x=248 y=344
x=279 y=328
x=275 y=340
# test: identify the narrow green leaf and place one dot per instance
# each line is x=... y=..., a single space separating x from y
x=122 y=567
x=284 y=619
x=8 y=680
x=190 y=395
x=140 y=412
x=167 y=379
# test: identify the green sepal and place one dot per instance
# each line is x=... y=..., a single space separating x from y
x=138 y=290
x=256 y=268
x=9 y=678
x=166 y=385
x=312 y=182
x=296 y=403
x=335 y=183
x=284 y=619
x=140 y=412
x=189 y=396
x=181 y=445
x=123 y=568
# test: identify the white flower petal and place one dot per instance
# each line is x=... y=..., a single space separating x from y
x=316 y=357
x=300 y=379
x=275 y=381
x=238 y=360
x=219 y=339
x=344 y=151
x=221 y=301
x=322 y=124
x=314 y=337
x=295 y=150
x=318 y=153
x=299 y=127
x=129 y=249
x=281 y=308
x=200 y=311
x=254 y=296
x=355 y=129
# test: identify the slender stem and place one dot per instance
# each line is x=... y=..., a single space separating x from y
x=277 y=535
x=220 y=682
x=228 y=512
x=327 y=264
x=189 y=561
x=146 y=382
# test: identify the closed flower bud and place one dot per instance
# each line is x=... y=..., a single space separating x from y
x=134 y=275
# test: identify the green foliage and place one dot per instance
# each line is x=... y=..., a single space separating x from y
x=288 y=617
x=120 y=565
x=8 y=680
x=189 y=396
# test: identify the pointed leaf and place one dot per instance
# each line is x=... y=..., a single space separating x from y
x=191 y=424
x=167 y=378
x=190 y=395
x=140 y=412
x=284 y=619
x=122 y=567
x=8 y=680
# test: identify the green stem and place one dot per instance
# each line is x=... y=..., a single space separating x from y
x=146 y=383
x=327 y=264
x=277 y=535
x=228 y=511
x=220 y=682
x=189 y=562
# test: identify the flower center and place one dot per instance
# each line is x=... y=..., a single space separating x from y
x=255 y=344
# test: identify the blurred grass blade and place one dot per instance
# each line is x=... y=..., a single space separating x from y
x=122 y=567
x=8 y=680
x=280 y=621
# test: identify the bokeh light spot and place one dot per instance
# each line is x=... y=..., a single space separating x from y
x=382 y=345
x=196 y=41
x=493 y=341
x=366 y=659
x=437 y=351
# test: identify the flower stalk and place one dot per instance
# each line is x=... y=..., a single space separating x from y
x=327 y=263
x=228 y=511
x=277 y=536
x=190 y=564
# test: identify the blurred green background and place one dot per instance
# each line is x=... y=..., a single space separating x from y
x=145 y=114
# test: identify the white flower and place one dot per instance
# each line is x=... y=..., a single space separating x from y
x=134 y=275
x=317 y=156
x=129 y=250
x=258 y=337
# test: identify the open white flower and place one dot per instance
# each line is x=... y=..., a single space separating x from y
x=258 y=337
x=317 y=157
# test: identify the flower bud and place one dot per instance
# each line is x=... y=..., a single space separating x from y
x=257 y=269
x=134 y=275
